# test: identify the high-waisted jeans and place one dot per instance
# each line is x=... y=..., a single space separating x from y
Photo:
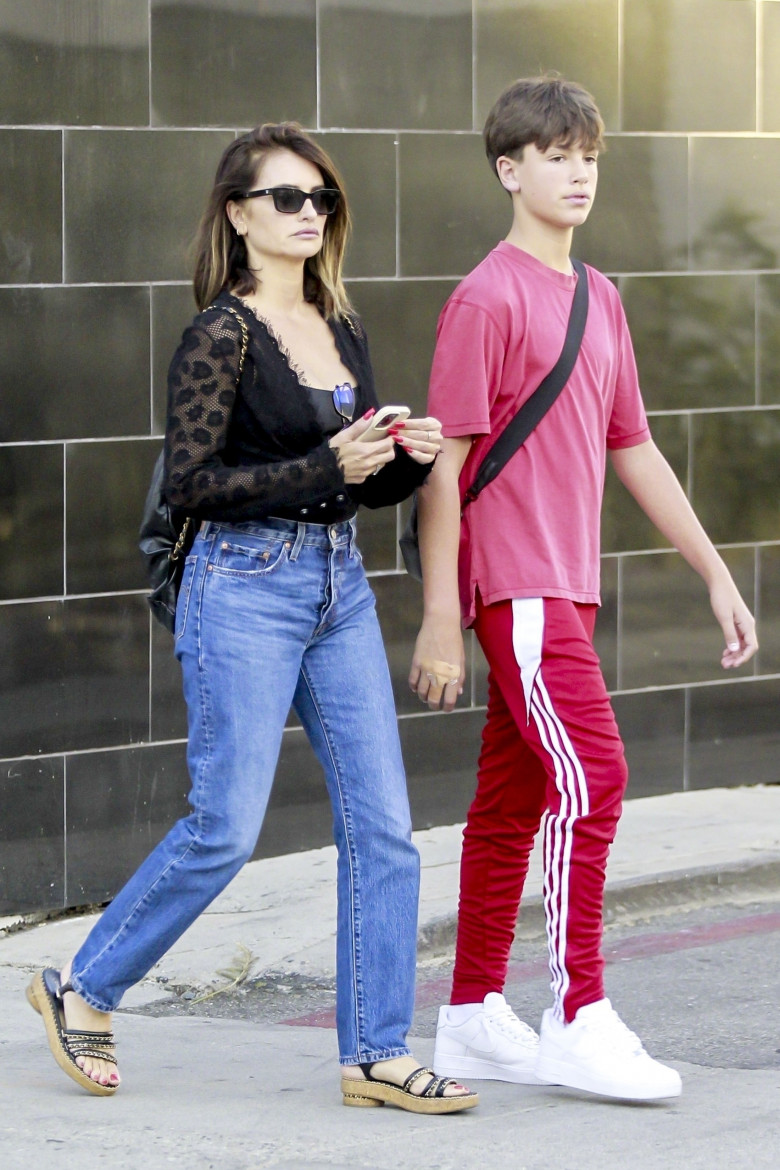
x=274 y=614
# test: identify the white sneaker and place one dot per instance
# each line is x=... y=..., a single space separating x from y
x=598 y=1053
x=491 y=1045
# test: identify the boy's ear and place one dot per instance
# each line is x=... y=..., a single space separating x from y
x=506 y=169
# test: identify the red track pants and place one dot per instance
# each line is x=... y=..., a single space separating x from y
x=551 y=749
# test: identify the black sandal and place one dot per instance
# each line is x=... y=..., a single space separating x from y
x=372 y=1092
x=45 y=995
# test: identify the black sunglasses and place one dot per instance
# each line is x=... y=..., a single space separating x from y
x=344 y=401
x=290 y=200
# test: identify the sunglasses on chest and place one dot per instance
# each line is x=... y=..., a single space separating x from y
x=290 y=200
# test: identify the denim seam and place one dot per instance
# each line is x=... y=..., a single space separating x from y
x=353 y=882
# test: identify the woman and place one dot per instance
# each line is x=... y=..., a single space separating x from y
x=275 y=610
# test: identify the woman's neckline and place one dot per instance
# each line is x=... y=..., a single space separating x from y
x=284 y=352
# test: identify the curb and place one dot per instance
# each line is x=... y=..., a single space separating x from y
x=651 y=894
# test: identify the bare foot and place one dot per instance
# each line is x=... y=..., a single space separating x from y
x=82 y=1017
x=396 y=1071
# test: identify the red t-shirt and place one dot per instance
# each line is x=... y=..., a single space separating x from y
x=535 y=530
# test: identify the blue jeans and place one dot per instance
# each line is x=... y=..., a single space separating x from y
x=272 y=614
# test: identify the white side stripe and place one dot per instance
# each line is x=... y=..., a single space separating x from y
x=527 y=640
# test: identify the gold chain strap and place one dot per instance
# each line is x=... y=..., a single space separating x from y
x=244 y=336
x=178 y=548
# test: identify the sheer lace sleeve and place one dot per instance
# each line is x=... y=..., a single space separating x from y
x=200 y=476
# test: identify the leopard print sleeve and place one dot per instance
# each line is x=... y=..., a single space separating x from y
x=202 y=390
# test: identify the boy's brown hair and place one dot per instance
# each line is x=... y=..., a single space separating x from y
x=544 y=111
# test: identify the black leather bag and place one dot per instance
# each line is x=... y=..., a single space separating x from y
x=167 y=534
x=165 y=539
x=520 y=427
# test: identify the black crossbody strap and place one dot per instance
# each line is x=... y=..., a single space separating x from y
x=535 y=408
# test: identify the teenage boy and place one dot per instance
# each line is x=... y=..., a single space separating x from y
x=522 y=568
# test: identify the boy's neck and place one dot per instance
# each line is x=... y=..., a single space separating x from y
x=549 y=244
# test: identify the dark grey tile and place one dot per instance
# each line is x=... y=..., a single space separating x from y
x=30 y=205
x=624 y=526
x=234 y=64
x=652 y=726
x=31 y=519
x=173 y=307
x=168 y=709
x=448 y=226
x=576 y=38
x=73 y=675
x=768 y=616
x=133 y=200
x=74 y=362
x=694 y=339
x=299 y=814
x=605 y=637
x=680 y=57
x=400 y=317
x=390 y=65
x=441 y=752
x=768 y=298
x=80 y=63
x=120 y=804
x=733 y=207
x=106 y=485
x=378 y=538
x=770 y=58
x=367 y=163
x=639 y=222
x=668 y=633
x=32 y=835
x=399 y=606
x=736 y=474
x=734 y=734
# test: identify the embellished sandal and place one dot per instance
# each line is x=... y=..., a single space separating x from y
x=371 y=1092
x=45 y=995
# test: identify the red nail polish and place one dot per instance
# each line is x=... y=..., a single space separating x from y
x=369 y=413
x=409 y=449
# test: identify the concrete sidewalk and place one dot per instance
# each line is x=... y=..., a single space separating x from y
x=225 y=1094
x=283 y=910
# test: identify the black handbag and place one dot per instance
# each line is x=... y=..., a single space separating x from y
x=520 y=427
x=167 y=534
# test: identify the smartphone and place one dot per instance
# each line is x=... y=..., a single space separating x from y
x=384 y=418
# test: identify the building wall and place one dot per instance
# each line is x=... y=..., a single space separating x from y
x=112 y=117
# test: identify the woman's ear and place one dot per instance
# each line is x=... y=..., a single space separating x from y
x=506 y=169
x=236 y=216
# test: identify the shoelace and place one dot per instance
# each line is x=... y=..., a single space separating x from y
x=507 y=1022
x=611 y=1029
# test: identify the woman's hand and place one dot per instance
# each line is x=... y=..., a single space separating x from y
x=359 y=460
x=420 y=437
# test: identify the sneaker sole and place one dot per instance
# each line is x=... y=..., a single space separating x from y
x=475 y=1068
x=557 y=1072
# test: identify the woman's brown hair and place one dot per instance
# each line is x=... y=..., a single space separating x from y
x=220 y=253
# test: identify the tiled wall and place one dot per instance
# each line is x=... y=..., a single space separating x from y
x=112 y=116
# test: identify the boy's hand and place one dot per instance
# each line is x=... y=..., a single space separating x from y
x=438 y=664
x=737 y=623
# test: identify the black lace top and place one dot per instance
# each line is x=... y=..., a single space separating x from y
x=241 y=450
